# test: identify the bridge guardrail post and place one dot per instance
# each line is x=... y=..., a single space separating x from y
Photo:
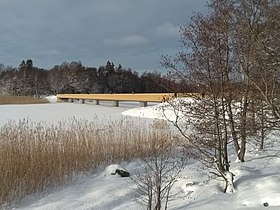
x=115 y=103
x=143 y=103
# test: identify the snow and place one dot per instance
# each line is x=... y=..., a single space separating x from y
x=99 y=191
x=111 y=169
x=266 y=190
x=57 y=112
x=145 y=112
x=51 y=99
x=158 y=111
x=257 y=180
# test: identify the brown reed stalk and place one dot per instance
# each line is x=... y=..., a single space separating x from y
x=21 y=100
x=35 y=156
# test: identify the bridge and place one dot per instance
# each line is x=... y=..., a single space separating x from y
x=142 y=98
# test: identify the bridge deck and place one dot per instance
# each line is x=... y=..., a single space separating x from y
x=143 y=98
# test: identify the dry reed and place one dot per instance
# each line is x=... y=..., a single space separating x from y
x=35 y=157
x=21 y=100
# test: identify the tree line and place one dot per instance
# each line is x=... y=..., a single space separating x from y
x=73 y=77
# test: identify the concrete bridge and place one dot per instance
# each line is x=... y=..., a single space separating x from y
x=142 y=98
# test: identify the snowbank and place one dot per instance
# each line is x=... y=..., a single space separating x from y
x=162 y=110
x=260 y=191
x=51 y=99
x=152 y=112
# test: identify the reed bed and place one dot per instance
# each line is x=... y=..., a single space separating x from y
x=21 y=100
x=35 y=157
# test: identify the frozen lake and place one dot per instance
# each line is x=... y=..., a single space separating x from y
x=55 y=112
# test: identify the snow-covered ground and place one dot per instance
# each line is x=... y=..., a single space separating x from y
x=257 y=180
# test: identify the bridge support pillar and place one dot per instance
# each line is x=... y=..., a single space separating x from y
x=95 y=102
x=83 y=101
x=115 y=103
x=143 y=103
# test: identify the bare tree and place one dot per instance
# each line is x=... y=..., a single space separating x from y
x=208 y=122
x=161 y=170
x=232 y=55
x=257 y=47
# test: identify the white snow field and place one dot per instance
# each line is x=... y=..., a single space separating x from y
x=56 y=112
x=257 y=180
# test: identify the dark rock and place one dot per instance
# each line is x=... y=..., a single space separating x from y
x=122 y=173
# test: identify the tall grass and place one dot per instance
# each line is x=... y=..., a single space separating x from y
x=21 y=100
x=36 y=156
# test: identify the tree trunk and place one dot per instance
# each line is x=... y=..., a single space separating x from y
x=262 y=127
x=232 y=128
x=229 y=188
x=241 y=153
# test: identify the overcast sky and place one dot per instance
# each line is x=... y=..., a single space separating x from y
x=134 y=33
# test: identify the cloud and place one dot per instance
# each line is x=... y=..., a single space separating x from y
x=168 y=30
x=128 y=41
x=51 y=52
x=92 y=31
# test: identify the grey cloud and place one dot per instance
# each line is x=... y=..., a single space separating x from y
x=93 y=31
x=168 y=29
x=128 y=41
